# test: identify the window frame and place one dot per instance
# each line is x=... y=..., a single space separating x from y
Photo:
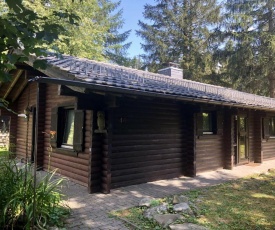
x=64 y=125
x=58 y=126
x=212 y=119
x=272 y=132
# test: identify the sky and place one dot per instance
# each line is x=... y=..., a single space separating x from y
x=132 y=12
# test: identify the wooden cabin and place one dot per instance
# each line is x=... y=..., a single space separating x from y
x=107 y=126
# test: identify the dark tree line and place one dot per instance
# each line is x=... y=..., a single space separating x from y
x=230 y=43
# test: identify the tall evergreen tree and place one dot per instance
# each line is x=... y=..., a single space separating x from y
x=115 y=48
x=246 y=49
x=96 y=36
x=179 y=31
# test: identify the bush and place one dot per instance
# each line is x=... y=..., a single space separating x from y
x=17 y=198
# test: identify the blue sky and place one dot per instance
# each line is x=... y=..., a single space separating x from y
x=132 y=12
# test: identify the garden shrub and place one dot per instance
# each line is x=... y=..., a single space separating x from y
x=17 y=198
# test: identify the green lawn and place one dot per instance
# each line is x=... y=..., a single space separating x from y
x=247 y=203
x=4 y=152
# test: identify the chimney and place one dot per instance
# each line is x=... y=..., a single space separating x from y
x=172 y=70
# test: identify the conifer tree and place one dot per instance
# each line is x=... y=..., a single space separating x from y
x=246 y=49
x=179 y=31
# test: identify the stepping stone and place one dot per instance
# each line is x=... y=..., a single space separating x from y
x=182 y=207
x=180 y=199
x=187 y=226
x=145 y=202
x=166 y=219
x=150 y=212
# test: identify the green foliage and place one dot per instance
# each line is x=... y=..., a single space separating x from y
x=246 y=45
x=17 y=198
x=179 y=31
x=25 y=28
x=81 y=28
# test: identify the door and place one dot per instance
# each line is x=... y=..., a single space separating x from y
x=242 y=154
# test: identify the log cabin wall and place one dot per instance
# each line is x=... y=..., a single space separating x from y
x=251 y=136
x=268 y=148
x=24 y=126
x=75 y=167
x=254 y=129
x=228 y=140
x=188 y=142
x=258 y=157
x=147 y=142
x=268 y=144
x=210 y=149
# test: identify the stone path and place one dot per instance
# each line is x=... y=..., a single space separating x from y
x=90 y=211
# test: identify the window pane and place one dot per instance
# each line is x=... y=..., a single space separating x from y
x=272 y=126
x=69 y=127
x=207 y=122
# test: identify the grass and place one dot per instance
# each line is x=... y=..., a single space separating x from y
x=4 y=152
x=247 y=203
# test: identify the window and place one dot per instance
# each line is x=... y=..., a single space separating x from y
x=272 y=126
x=209 y=123
x=69 y=127
x=268 y=127
x=68 y=131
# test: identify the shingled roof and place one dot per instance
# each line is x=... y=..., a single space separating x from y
x=112 y=77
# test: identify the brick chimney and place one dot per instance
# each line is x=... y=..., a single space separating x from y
x=172 y=70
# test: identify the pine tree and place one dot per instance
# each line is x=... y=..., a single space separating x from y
x=179 y=31
x=96 y=35
x=115 y=48
x=246 y=49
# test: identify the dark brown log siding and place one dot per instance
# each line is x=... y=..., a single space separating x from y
x=254 y=136
x=228 y=141
x=75 y=167
x=210 y=151
x=251 y=136
x=147 y=142
x=24 y=131
x=268 y=147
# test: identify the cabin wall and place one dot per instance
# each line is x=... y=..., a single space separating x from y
x=75 y=167
x=268 y=144
x=147 y=142
x=209 y=153
x=24 y=144
x=268 y=148
x=188 y=142
x=228 y=140
x=210 y=147
x=251 y=133
x=255 y=137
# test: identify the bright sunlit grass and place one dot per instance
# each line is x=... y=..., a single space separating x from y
x=247 y=203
